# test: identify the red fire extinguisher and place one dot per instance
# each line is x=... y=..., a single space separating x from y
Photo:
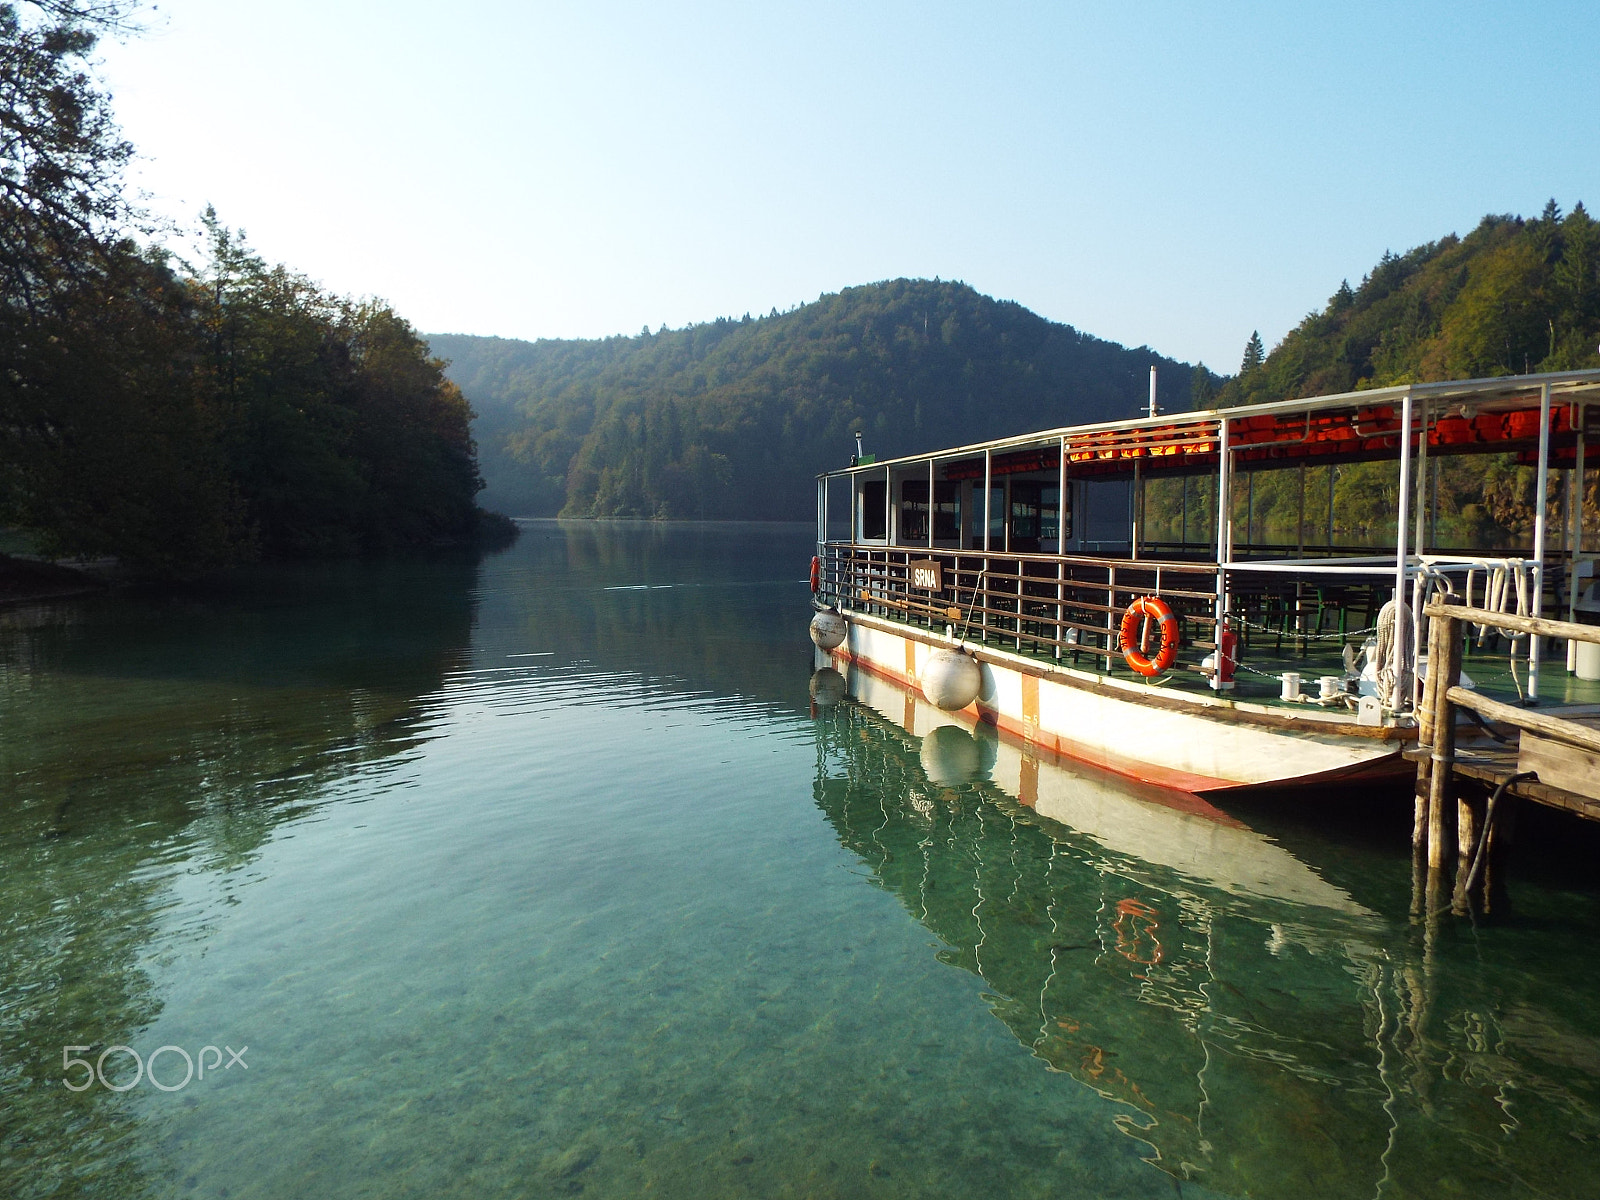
x=816 y=574
x=1227 y=655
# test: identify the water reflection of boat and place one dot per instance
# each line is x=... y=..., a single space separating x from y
x=1167 y=828
x=1254 y=1027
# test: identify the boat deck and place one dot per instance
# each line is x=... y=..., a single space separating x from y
x=1266 y=654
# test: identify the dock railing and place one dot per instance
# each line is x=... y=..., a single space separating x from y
x=1442 y=696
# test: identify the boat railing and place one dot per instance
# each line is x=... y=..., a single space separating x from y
x=1066 y=606
x=1055 y=606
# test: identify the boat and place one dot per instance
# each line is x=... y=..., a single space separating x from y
x=1131 y=598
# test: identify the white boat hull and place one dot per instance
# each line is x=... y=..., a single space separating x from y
x=1197 y=744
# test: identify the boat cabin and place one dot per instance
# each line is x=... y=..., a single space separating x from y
x=1286 y=527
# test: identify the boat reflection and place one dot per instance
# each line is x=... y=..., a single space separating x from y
x=1258 y=1028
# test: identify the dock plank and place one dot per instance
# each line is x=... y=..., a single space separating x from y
x=1492 y=764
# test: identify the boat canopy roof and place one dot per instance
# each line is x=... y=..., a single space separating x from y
x=1459 y=417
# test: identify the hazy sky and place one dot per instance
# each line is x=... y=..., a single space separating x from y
x=1175 y=174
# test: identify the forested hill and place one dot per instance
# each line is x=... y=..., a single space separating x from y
x=180 y=417
x=1512 y=296
x=734 y=418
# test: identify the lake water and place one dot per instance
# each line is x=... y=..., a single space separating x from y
x=543 y=875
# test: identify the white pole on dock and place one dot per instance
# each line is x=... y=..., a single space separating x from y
x=1224 y=527
x=1542 y=497
x=1402 y=634
x=1577 y=519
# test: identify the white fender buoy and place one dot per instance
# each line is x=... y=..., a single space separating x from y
x=951 y=679
x=827 y=687
x=828 y=629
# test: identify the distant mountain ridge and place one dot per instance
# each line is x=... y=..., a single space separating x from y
x=735 y=417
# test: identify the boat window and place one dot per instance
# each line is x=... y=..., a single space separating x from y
x=913 y=510
x=997 y=518
x=874 y=492
x=1050 y=514
x=947 y=511
x=1107 y=513
x=1025 y=496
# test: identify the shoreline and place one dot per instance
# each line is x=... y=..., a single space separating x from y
x=27 y=580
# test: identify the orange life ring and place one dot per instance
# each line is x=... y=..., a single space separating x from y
x=1134 y=627
x=816 y=574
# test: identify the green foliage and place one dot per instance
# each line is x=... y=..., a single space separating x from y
x=61 y=156
x=734 y=418
x=342 y=433
x=1475 y=502
x=1512 y=296
x=181 y=420
x=110 y=440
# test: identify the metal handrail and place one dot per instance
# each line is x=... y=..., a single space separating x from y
x=1038 y=603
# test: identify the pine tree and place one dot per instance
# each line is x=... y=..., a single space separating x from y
x=1254 y=354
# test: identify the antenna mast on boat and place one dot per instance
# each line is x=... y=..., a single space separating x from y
x=1152 y=391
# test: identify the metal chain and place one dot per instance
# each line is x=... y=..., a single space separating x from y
x=1305 y=637
x=1239 y=666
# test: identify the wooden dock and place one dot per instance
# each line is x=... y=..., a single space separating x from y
x=1548 y=756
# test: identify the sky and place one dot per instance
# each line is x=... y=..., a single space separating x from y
x=1165 y=174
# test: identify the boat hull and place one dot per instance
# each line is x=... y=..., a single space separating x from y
x=1196 y=744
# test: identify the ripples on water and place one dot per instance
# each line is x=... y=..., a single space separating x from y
x=544 y=876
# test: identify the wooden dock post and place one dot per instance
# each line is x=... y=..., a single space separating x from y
x=1419 y=838
x=1444 y=672
x=1425 y=728
x=1425 y=720
x=1424 y=782
x=1556 y=763
x=1469 y=830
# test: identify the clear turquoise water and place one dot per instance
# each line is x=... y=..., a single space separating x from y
x=541 y=876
